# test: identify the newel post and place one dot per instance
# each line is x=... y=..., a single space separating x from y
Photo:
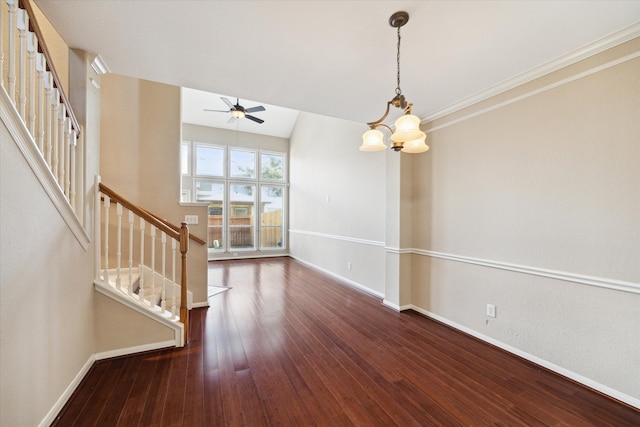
x=184 y=248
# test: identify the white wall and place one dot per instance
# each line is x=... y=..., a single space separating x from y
x=540 y=181
x=46 y=291
x=337 y=201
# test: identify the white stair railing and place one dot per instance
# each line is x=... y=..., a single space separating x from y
x=148 y=285
x=35 y=91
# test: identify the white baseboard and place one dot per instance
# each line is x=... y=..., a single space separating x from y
x=341 y=279
x=55 y=410
x=394 y=306
x=200 y=304
x=135 y=349
x=615 y=394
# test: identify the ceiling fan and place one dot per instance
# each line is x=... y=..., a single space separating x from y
x=238 y=111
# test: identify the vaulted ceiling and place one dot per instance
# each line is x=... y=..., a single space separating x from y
x=338 y=58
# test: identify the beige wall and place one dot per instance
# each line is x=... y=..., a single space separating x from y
x=140 y=158
x=543 y=180
x=337 y=201
x=118 y=327
x=528 y=200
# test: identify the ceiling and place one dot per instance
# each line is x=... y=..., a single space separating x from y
x=335 y=58
x=278 y=121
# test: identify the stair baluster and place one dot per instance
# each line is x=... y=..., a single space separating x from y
x=11 y=77
x=152 y=300
x=48 y=91
x=72 y=170
x=107 y=203
x=66 y=177
x=23 y=25
x=62 y=114
x=53 y=131
x=130 y=289
x=32 y=50
x=118 y=246
x=163 y=301
x=41 y=68
x=141 y=291
x=173 y=278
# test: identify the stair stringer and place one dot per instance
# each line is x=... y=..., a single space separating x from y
x=122 y=298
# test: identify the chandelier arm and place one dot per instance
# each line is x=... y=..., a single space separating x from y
x=379 y=121
x=377 y=125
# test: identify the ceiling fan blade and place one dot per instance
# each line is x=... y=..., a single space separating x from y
x=255 y=119
x=226 y=101
x=254 y=109
x=231 y=119
x=216 y=111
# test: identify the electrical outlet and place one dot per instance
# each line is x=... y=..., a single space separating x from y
x=191 y=219
x=491 y=310
x=349 y=265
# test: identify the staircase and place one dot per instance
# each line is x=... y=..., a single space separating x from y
x=125 y=232
x=39 y=117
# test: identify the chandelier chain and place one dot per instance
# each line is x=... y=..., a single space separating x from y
x=398 y=90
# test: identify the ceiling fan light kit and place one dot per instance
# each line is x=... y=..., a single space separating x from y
x=238 y=114
x=237 y=111
x=407 y=136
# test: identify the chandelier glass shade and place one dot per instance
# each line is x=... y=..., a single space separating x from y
x=407 y=129
x=373 y=140
x=407 y=136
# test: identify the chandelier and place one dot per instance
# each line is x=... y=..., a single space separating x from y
x=407 y=136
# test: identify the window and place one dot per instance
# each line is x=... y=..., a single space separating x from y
x=242 y=199
x=209 y=160
x=240 y=211
x=242 y=164
x=245 y=191
x=271 y=217
x=272 y=167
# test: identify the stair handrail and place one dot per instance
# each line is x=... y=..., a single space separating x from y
x=152 y=219
x=33 y=87
x=42 y=46
x=182 y=236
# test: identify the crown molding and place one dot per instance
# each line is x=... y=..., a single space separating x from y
x=600 y=45
x=99 y=66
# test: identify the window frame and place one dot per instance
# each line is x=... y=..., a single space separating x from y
x=257 y=181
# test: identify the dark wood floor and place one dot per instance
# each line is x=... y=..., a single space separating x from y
x=289 y=346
